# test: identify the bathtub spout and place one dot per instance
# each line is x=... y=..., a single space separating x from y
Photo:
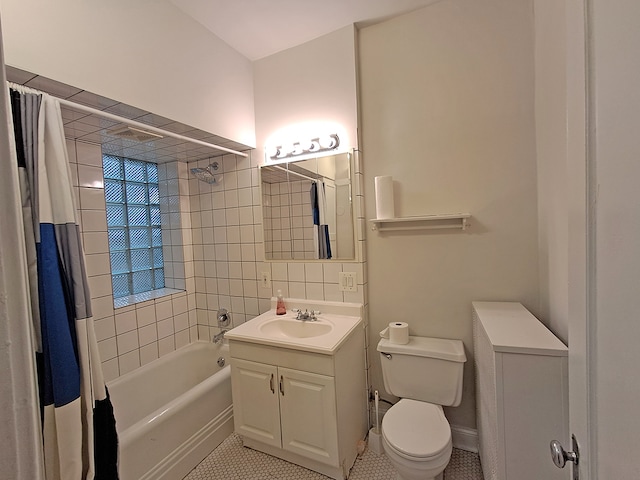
x=219 y=337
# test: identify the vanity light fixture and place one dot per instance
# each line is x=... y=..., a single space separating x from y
x=314 y=145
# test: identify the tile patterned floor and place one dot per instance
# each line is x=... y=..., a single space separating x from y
x=231 y=461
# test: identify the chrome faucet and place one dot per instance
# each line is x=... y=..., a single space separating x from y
x=306 y=315
x=219 y=337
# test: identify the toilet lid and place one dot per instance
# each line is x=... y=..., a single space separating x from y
x=416 y=429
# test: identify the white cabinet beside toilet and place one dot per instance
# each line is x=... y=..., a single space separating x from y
x=521 y=392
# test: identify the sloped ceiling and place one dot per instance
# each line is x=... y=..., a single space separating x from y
x=259 y=28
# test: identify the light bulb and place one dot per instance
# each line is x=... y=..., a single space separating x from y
x=329 y=141
x=273 y=151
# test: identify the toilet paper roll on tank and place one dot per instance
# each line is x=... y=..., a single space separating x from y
x=396 y=332
x=384 y=197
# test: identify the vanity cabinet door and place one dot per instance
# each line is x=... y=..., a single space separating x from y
x=308 y=415
x=255 y=401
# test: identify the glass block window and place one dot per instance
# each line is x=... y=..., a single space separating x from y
x=133 y=222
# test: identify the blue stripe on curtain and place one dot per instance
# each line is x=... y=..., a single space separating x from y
x=61 y=379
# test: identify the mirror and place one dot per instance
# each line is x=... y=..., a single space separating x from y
x=307 y=209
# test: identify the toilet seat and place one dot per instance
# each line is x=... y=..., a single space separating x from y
x=417 y=431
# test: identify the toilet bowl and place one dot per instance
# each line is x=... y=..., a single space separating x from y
x=416 y=438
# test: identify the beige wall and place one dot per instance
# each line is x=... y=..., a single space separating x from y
x=145 y=53
x=551 y=143
x=447 y=109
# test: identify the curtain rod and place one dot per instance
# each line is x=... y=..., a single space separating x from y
x=133 y=123
x=294 y=173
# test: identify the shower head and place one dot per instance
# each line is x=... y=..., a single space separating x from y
x=206 y=174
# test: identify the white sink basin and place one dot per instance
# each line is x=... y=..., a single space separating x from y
x=289 y=328
x=324 y=335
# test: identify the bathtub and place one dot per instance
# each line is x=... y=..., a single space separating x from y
x=171 y=413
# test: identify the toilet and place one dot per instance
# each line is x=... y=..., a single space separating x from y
x=426 y=374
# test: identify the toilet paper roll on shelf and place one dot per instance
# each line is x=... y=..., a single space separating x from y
x=396 y=332
x=384 y=197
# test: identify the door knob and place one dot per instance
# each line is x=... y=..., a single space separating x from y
x=560 y=456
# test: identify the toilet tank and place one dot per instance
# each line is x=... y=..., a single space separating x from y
x=425 y=369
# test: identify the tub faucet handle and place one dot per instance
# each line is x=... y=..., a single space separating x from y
x=224 y=318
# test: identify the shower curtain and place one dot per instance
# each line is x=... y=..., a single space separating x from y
x=21 y=440
x=78 y=428
x=320 y=229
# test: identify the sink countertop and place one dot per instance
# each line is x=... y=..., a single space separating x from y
x=326 y=343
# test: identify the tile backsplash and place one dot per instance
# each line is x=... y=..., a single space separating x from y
x=214 y=256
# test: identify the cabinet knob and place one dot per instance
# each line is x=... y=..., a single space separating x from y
x=273 y=390
x=281 y=386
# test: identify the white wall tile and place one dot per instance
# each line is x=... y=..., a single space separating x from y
x=95 y=242
x=125 y=321
x=89 y=176
x=148 y=353
x=332 y=292
x=279 y=271
x=164 y=309
x=331 y=271
x=296 y=272
x=89 y=154
x=147 y=335
x=314 y=272
x=237 y=305
x=100 y=285
x=110 y=370
x=315 y=291
x=165 y=328
x=102 y=307
x=146 y=315
x=166 y=345
x=127 y=342
x=297 y=290
x=129 y=362
x=92 y=199
x=108 y=349
x=179 y=305
x=104 y=328
x=182 y=338
x=181 y=322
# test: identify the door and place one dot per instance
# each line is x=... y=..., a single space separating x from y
x=308 y=415
x=255 y=401
x=604 y=235
x=578 y=221
x=613 y=268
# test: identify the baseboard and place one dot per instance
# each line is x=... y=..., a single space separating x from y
x=464 y=438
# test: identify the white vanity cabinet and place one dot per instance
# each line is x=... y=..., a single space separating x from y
x=305 y=407
x=286 y=408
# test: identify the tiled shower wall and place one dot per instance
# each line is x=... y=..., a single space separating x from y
x=229 y=252
x=213 y=252
x=134 y=334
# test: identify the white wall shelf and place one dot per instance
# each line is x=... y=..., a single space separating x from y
x=424 y=222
